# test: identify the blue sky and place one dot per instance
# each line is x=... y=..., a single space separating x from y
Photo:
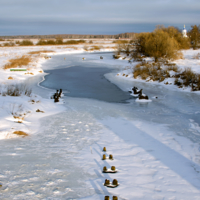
x=38 y=17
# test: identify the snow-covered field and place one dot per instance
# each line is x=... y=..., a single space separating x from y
x=62 y=156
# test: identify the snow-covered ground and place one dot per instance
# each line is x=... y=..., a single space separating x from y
x=21 y=105
x=62 y=156
x=189 y=60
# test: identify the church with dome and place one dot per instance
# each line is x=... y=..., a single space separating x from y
x=184 y=32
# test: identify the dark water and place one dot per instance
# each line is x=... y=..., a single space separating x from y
x=85 y=82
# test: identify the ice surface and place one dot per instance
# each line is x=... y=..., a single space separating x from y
x=155 y=148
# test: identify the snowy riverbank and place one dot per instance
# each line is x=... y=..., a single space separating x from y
x=19 y=113
x=190 y=59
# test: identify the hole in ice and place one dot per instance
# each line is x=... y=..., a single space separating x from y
x=73 y=124
x=67 y=138
x=80 y=122
x=77 y=130
x=87 y=129
x=64 y=129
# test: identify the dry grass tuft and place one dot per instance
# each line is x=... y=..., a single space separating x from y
x=10 y=78
x=153 y=71
x=29 y=73
x=18 y=62
x=95 y=48
x=39 y=52
x=172 y=67
x=38 y=110
x=8 y=44
x=26 y=43
x=21 y=133
x=18 y=117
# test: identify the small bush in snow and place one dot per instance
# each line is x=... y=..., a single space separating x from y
x=16 y=90
x=152 y=71
x=26 y=43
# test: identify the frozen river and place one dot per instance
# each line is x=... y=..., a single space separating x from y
x=156 y=144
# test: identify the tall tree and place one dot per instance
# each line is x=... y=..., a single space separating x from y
x=194 y=35
x=160 y=45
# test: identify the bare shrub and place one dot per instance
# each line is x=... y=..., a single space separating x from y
x=46 y=42
x=172 y=67
x=18 y=62
x=26 y=43
x=152 y=70
x=74 y=42
x=177 y=82
x=188 y=77
x=8 y=44
x=59 y=41
x=16 y=90
x=12 y=108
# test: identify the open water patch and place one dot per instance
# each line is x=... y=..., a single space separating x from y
x=85 y=82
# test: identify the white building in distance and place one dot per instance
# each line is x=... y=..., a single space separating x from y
x=184 y=32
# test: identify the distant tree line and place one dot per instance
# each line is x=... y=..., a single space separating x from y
x=69 y=36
